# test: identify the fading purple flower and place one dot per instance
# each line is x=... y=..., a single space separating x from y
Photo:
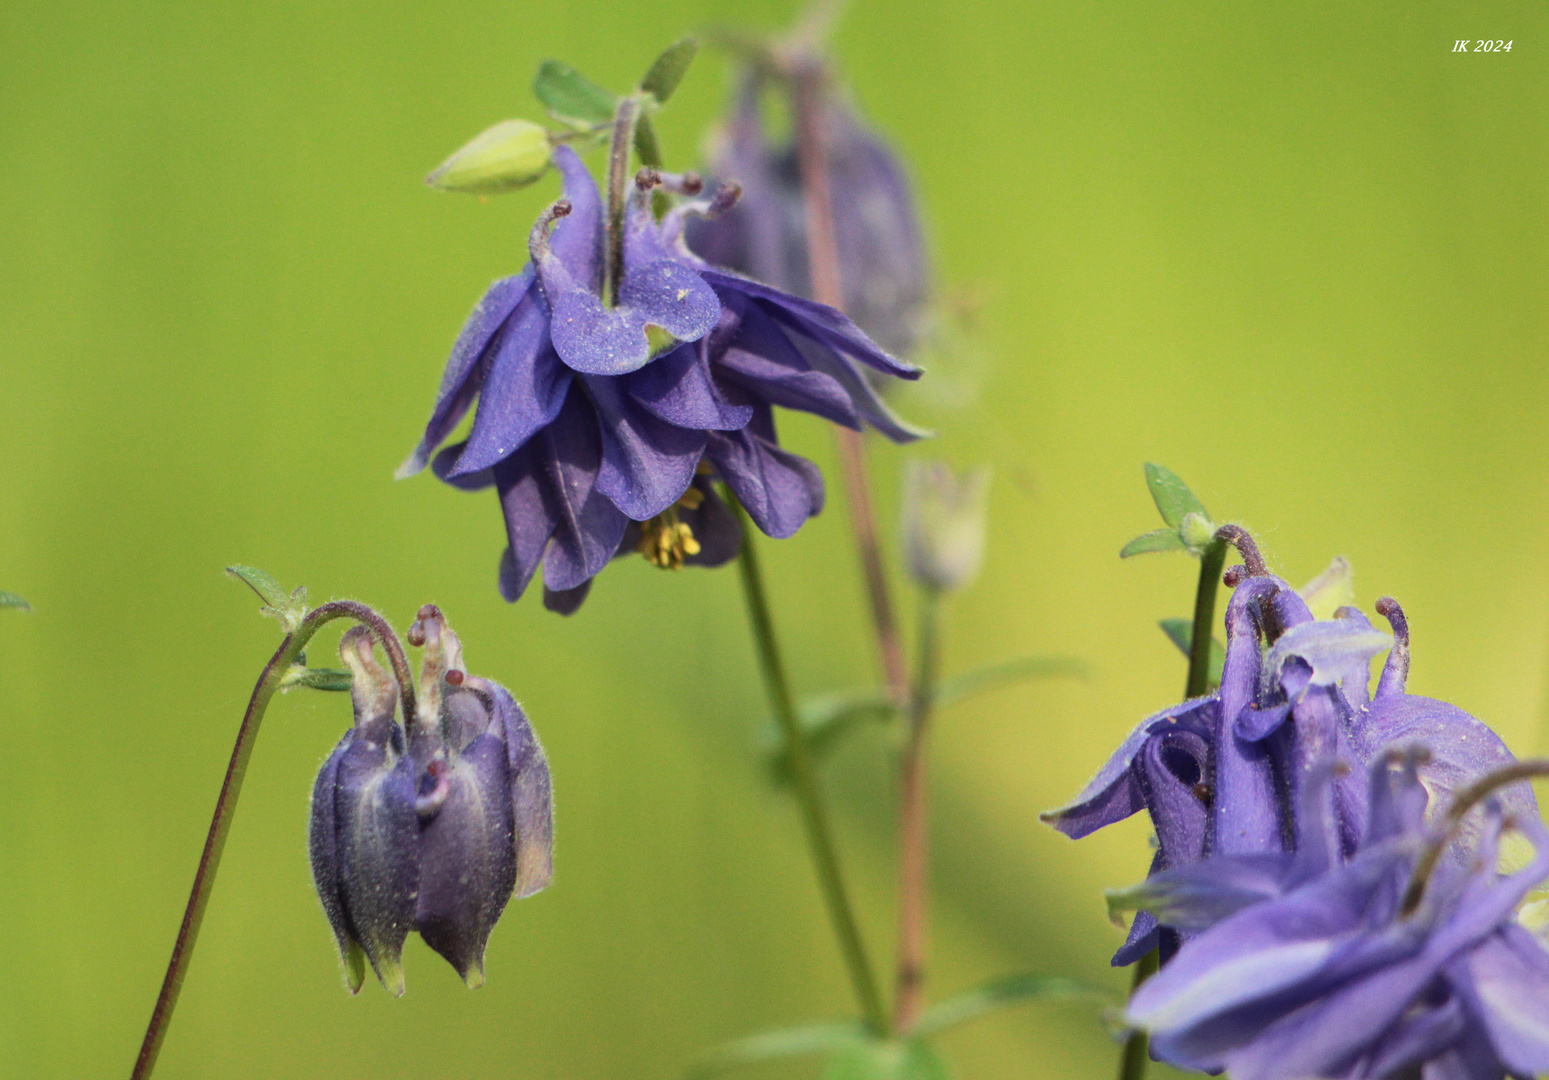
x=883 y=264
x=1304 y=967
x=601 y=425
x=433 y=832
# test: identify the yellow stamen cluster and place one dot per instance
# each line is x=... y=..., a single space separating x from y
x=665 y=540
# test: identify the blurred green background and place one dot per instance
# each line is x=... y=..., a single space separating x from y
x=1295 y=252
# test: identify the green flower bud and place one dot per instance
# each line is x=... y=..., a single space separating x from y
x=510 y=155
x=944 y=523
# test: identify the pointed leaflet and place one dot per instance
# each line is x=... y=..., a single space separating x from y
x=1172 y=496
x=571 y=96
x=1160 y=540
x=669 y=68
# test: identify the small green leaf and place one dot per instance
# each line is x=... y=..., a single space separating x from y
x=1181 y=633
x=333 y=679
x=669 y=68
x=787 y=1042
x=646 y=147
x=888 y=1060
x=1001 y=994
x=571 y=96
x=11 y=600
x=1172 y=496
x=982 y=680
x=1160 y=540
x=826 y=721
x=289 y=608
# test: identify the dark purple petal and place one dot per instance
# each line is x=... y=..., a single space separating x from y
x=1245 y=809
x=778 y=489
x=532 y=801
x=463 y=376
x=523 y=392
x=1172 y=770
x=593 y=338
x=1196 y=896
x=762 y=360
x=1431 y=1032
x=323 y=846
x=378 y=870
x=587 y=524
x=1144 y=935
x=445 y=462
x=578 y=239
x=566 y=601
x=821 y=323
x=532 y=512
x=715 y=527
x=677 y=389
x=467 y=863
x=647 y=464
x=1114 y=793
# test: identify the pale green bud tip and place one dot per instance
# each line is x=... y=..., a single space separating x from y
x=944 y=523
x=1196 y=531
x=511 y=154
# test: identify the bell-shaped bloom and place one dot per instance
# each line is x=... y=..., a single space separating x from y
x=601 y=419
x=1293 y=702
x=364 y=831
x=1302 y=966
x=431 y=832
x=884 y=269
x=943 y=523
x=483 y=802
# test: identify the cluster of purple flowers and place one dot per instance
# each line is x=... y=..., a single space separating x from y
x=603 y=420
x=1306 y=924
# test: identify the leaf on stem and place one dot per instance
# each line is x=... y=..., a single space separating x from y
x=668 y=69
x=1181 y=633
x=969 y=684
x=787 y=1042
x=11 y=600
x=646 y=147
x=1172 y=496
x=571 y=97
x=334 y=679
x=825 y=721
x=290 y=608
x=1002 y=994
x=1160 y=540
x=888 y=1059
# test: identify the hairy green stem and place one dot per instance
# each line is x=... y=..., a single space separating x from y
x=804 y=779
x=1132 y=1063
x=225 y=804
x=624 y=122
x=914 y=822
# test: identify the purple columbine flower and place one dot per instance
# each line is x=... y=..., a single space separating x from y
x=1237 y=772
x=603 y=424
x=431 y=832
x=1398 y=962
x=883 y=264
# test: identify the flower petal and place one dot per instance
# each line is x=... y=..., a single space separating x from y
x=646 y=464
x=673 y=296
x=677 y=389
x=523 y=392
x=463 y=377
x=778 y=489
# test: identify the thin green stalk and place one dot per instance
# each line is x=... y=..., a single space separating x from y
x=1132 y=1063
x=913 y=822
x=804 y=780
x=225 y=804
x=618 y=184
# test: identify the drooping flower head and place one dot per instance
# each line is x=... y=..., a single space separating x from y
x=607 y=409
x=884 y=267
x=431 y=828
x=1231 y=773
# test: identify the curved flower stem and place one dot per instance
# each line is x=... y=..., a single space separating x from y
x=1132 y=1063
x=804 y=778
x=808 y=77
x=913 y=823
x=231 y=787
x=624 y=122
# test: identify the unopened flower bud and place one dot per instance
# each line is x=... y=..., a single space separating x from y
x=483 y=802
x=364 y=831
x=512 y=154
x=944 y=523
